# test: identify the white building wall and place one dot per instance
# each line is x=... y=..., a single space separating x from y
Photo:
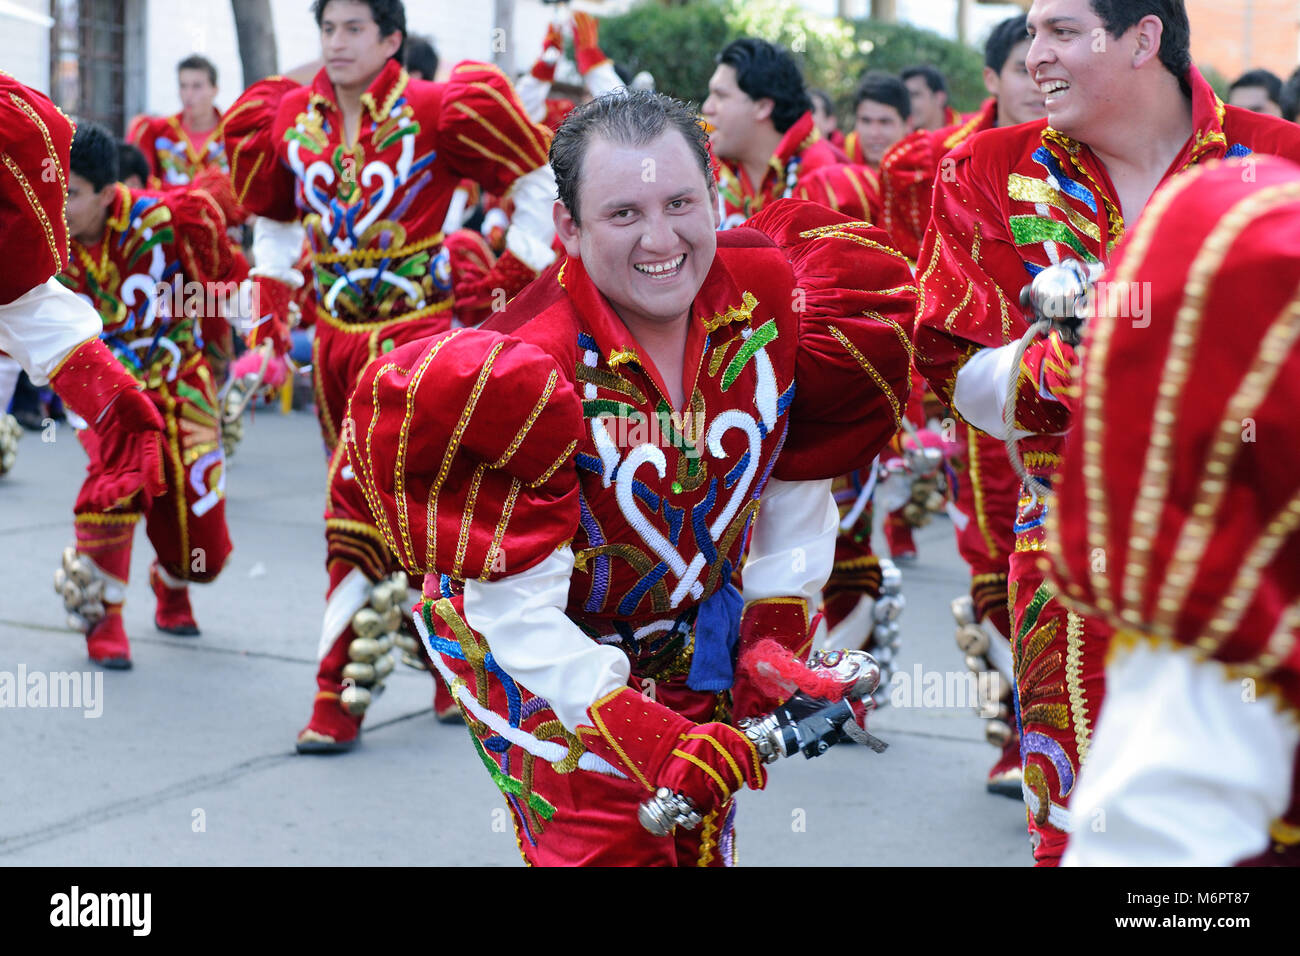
x=25 y=41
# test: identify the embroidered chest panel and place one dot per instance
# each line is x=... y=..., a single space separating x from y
x=134 y=281
x=1058 y=212
x=180 y=162
x=667 y=498
x=369 y=212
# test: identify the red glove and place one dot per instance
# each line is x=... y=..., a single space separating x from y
x=784 y=620
x=1048 y=391
x=586 y=39
x=658 y=747
x=269 y=319
x=494 y=289
x=125 y=427
x=552 y=50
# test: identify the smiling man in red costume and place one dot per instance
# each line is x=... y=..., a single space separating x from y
x=367 y=160
x=1126 y=110
x=578 y=478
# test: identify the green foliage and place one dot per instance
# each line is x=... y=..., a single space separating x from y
x=679 y=44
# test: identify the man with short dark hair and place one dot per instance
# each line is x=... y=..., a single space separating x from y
x=421 y=59
x=588 y=469
x=138 y=257
x=769 y=147
x=368 y=159
x=1126 y=112
x=881 y=107
x=1257 y=90
x=928 y=92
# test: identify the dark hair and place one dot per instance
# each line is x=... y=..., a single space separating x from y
x=766 y=71
x=389 y=16
x=1265 y=78
x=824 y=98
x=881 y=87
x=1005 y=35
x=627 y=117
x=196 y=62
x=420 y=55
x=132 y=162
x=94 y=155
x=933 y=78
x=1291 y=96
x=1117 y=16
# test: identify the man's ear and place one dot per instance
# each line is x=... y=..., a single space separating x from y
x=567 y=229
x=763 y=108
x=107 y=195
x=992 y=82
x=393 y=42
x=715 y=206
x=1150 y=34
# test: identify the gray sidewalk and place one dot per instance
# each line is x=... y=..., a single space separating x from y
x=191 y=761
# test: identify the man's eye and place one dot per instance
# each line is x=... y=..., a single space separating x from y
x=677 y=204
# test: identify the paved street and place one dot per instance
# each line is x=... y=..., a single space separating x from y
x=192 y=763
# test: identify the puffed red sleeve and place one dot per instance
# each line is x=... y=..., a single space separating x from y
x=483 y=130
x=261 y=181
x=906 y=183
x=463 y=445
x=35 y=139
x=846 y=188
x=854 y=301
x=1183 y=469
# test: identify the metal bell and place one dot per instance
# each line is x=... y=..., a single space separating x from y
x=364 y=649
x=355 y=699
x=78 y=623
x=963 y=609
x=977 y=664
x=95 y=590
x=381 y=597
x=60 y=579
x=367 y=623
x=73 y=595
x=383 y=666
x=973 y=640
x=393 y=618
x=997 y=732
x=359 y=672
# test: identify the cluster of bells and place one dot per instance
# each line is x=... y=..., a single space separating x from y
x=913 y=483
x=377 y=629
x=973 y=641
x=885 y=630
x=10 y=432
x=81 y=585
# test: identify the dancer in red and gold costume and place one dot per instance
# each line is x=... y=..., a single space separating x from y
x=137 y=258
x=1183 y=468
x=987 y=488
x=767 y=144
x=369 y=159
x=881 y=106
x=584 y=471
x=54 y=335
x=1024 y=198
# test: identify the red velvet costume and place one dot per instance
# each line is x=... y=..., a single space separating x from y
x=483 y=452
x=1196 y=507
x=1020 y=199
x=804 y=166
x=170 y=240
x=384 y=274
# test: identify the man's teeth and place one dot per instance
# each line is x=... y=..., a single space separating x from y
x=1054 y=86
x=660 y=267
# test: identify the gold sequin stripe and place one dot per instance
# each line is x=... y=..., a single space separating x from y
x=929 y=271
x=379 y=113
x=1274 y=350
x=539 y=136
x=35 y=117
x=1074 y=683
x=1283 y=639
x=961 y=306
x=839 y=230
x=542 y=401
x=363 y=256
x=1244 y=585
x=453 y=446
x=37 y=208
x=1097 y=526
x=365 y=461
x=975 y=477
x=871 y=371
x=403 y=438
x=613 y=742
x=901 y=332
x=708 y=837
x=499 y=534
x=1154 y=484
x=467 y=519
x=334 y=322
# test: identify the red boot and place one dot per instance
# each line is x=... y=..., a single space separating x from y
x=173 y=615
x=331 y=729
x=898 y=535
x=107 y=641
x=1005 y=777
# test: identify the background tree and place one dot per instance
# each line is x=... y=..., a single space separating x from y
x=256 y=33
